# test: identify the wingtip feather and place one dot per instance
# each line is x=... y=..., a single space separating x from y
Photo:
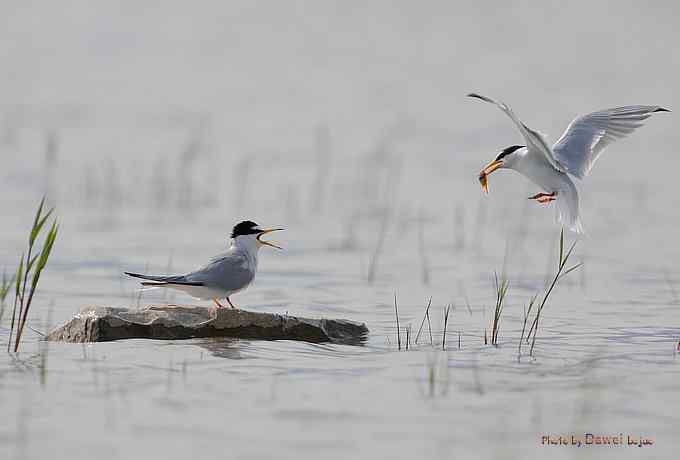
x=153 y=283
x=478 y=96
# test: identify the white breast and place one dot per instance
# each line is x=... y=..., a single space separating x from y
x=541 y=173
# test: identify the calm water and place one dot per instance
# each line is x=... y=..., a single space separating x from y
x=154 y=130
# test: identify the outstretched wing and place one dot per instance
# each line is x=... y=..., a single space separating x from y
x=533 y=139
x=586 y=137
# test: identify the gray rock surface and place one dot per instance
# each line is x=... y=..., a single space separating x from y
x=101 y=324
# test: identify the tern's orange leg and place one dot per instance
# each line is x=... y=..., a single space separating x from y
x=217 y=302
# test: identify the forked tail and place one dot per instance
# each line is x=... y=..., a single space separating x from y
x=567 y=205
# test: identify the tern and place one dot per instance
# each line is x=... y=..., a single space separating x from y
x=573 y=154
x=226 y=274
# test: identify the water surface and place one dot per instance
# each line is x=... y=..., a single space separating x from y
x=153 y=130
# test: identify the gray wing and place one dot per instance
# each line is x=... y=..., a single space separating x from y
x=586 y=137
x=160 y=280
x=229 y=271
x=534 y=139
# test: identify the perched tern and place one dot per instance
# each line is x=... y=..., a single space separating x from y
x=226 y=274
x=573 y=154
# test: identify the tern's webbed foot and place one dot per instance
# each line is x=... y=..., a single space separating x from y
x=544 y=198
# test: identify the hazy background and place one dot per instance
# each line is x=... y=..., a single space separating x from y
x=154 y=127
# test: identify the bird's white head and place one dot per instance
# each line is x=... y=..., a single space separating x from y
x=507 y=159
x=248 y=235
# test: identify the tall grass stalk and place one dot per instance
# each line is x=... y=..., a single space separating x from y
x=446 y=322
x=396 y=314
x=527 y=312
x=422 y=323
x=17 y=293
x=31 y=266
x=501 y=287
x=562 y=271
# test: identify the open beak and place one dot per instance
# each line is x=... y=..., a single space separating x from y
x=491 y=167
x=264 y=232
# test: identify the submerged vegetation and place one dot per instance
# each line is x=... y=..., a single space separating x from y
x=438 y=363
x=532 y=311
x=562 y=271
x=28 y=274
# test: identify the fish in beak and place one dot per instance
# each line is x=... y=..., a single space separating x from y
x=268 y=243
x=483 y=176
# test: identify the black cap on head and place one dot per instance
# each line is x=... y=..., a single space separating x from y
x=247 y=227
x=509 y=150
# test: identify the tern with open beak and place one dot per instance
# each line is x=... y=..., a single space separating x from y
x=226 y=274
x=573 y=154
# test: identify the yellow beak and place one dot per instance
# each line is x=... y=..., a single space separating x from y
x=491 y=167
x=264 y=232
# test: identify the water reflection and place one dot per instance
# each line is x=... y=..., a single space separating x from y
x=223 y=347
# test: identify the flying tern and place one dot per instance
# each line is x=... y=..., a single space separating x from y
x=573 y=154
x=226 y=274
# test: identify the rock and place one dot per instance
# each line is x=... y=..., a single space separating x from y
x=101 y=324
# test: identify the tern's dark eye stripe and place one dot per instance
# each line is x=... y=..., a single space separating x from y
x=508 y=151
